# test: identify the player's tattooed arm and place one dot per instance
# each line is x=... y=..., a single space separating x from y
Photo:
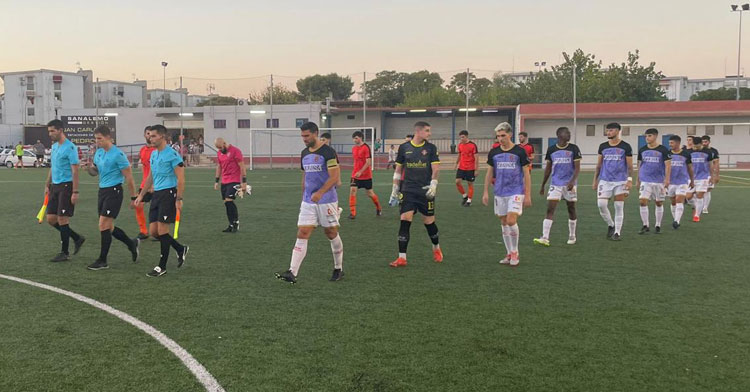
x=690 y=173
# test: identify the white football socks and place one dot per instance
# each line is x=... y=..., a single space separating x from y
x=659 y=212
x=513 y=233
x=298 y=254
x=698 y=206
x=644 y=215
x=572 y=228
x=619 y=215
x=337 y=248
x=506 y=238
x=604 y=211
x=678 y=210
x=546 y=226
x=706 y=201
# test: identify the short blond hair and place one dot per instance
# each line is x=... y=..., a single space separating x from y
x=503 y=126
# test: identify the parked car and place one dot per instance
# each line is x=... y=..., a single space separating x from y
x=29 y=159
x=4 y=152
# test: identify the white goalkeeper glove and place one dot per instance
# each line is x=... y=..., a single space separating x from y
x=431 y=189
x=393 y=201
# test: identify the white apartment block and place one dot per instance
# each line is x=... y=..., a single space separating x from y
x=114 y=94
x=36 y=97
x=155 y=97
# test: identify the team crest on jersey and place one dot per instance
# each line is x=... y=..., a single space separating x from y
x=424 y=152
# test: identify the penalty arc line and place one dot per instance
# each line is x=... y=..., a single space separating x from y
x=204 y=377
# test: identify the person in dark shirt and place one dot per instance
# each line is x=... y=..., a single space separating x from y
x=563 y=166
x=654 y=168
x=415 y=184
x=613 y=178
x=706 y=141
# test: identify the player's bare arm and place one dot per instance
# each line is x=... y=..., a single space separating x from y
x=596 y=172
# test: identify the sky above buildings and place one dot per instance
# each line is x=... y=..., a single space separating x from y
x=212 y=41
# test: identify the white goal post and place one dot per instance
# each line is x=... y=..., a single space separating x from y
x=281 y=147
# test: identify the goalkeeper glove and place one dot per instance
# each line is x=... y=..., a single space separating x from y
x=431 y=189
x=393 y=201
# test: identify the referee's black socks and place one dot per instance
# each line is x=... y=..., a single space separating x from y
x=64 y=237
x=166 y=241
x=106 y=243
x=120 y=235
x=403 y=236
x=432 y=231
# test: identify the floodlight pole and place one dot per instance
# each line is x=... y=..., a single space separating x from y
x=739 y=47
x=182 y=137
x=466 y=90
x=270 y=100
x=575 y=104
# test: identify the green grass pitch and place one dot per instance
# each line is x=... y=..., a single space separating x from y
x=662 y=313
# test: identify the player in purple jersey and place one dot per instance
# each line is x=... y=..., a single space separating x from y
x=613 y=178
x=702 y=160
x=680 y=179
x=563 y=165
x=706 y=141
x=654 y=169
x=509 y=166
x=320 y=174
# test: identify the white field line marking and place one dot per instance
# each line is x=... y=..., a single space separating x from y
x=736 y=178
x=200 y=372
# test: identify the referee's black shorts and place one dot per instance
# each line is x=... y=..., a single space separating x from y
x=228 y=191
x=59 y=199
x=110 y=201
x=417 y=202
x=163 y=207
x=147 y=196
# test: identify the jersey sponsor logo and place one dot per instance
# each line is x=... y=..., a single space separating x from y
x=561 y=160
x=416 y=165
x=505 y=165
x=313 y=167
x=651 y=159
x=678 y=163
x=612 y=157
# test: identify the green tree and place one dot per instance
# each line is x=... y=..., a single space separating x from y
x=478 y=87
x=438 y=96
x=281 y=96
x=387 y=89
x=421 y=82
x=218 y=100
x=721 y=94
x=317 y=87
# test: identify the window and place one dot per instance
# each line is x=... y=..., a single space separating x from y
x=58 y=96
x=691 y=130
x=299 y=122
x=98 y=89
x=57 y=86
x=350 y=117
x=29 y=83
x=272 y=123
x=590 y=130
x=243 y=123
x=710 y=130
x=29 y=111
x=220 y=123
x=728 y=129
x=120 y=103
x=625 y=131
